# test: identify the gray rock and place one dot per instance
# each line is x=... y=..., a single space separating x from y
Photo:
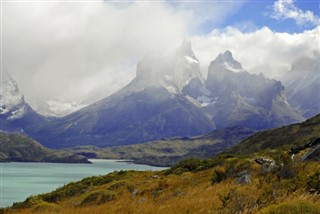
x=267 y=165
x=244 y=179
x=241 y=98
x=312 y=154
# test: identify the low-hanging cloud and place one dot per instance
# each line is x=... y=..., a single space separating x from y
x=77 y=51
x=260 y=51
x=65 y=55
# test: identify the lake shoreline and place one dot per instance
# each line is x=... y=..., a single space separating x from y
x=22 y=179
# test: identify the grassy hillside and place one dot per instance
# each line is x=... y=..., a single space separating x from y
x=288 y=136
x=168 y=152
x=266 y=182
x=192 y=186
x=20 y=148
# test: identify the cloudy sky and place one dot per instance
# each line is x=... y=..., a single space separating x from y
x=68 y=54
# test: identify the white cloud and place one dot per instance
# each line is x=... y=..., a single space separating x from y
x=80 y=52
x=74 y=53
x=285 y=9
x=263 y=50
x=204 y=14
x=67 y=51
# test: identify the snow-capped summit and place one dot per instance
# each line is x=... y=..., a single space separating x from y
x=170 y=70
x=223 y=67
x=185 y=49
x=169 y=98
x=12 y=105
x=241 y=98
x=226 y=61
x=15 y=113
x=150 y=107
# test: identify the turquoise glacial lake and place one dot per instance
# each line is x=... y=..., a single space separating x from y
x=20 y=180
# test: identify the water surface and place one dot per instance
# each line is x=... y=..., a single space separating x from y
x=20 y=180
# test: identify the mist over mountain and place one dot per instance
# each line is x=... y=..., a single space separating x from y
x=15 y=114
x=167 y=98
x=150 y=107
x=236 y=97
x=303 y=85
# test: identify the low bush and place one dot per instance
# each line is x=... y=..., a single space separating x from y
x=235 y=201
x=292 y=207
x=313 y=182
x=97 y=198
x=189 y=165
x=218 y=176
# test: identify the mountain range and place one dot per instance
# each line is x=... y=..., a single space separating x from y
x=237 y=97
x=167 y=98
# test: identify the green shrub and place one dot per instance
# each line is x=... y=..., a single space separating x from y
x=313 y=183
x=42 y=205
x=128 y=185
x=189 y=165
x=292 y=207
x=287 y=171
x=236 y=202
x=218 y=176
x=97 y=198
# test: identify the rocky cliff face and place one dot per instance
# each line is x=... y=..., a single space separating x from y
x=303 y=86
x=237 y=97
x=151 y=107
x=15 y=113
x=168 y=98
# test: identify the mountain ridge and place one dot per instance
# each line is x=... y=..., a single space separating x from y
x=21 y=148
x=15 y=114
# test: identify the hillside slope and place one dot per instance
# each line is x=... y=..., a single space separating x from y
x=290 y=136
x=167 y=152
x=149 y=108
x=15 y=113
x=227 y=183
x=20 y=148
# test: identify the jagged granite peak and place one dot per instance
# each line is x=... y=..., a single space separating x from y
x=128 y=117
x=241 y=98
x=185 y=49
x=15 y=113
x=227 y=61
x=12 y=104
x=170 y=70
x=151 y=107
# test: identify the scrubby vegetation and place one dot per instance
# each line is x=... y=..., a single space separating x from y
x=191 y=186
x=265 y=181
x=293 y=135
x=21 y=148
x=167 y=152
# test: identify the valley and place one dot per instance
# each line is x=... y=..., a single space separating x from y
x=235 y=142
x=262 y=181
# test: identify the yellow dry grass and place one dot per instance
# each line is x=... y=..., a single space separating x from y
x=155 y=192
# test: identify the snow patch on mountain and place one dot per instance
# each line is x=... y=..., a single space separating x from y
x=60 y=109
x=17 y=114
x=11 y=100
x=191 y=60
x=230 y=67
x=204 y=100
